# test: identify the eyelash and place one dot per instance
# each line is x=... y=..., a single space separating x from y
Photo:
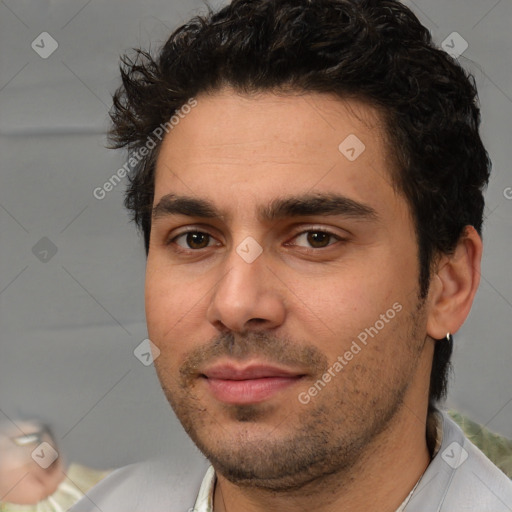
x=180 y=249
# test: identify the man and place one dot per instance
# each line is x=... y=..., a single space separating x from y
x=308 y=177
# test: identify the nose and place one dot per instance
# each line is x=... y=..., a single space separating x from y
x=247 y=296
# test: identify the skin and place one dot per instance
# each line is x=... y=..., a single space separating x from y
x=300 y=304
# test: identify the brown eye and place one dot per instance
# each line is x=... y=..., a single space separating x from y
x=197 y=240
x=192 y=240
x=318 y=239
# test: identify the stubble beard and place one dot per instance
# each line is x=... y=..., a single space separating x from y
x=327 y=436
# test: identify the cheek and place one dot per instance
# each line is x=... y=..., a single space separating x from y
x=175 y=308
x=362 y=302
x=346 y=296
x=165 y=298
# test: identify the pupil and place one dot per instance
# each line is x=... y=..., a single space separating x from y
x=197 y=240
x=318 y=239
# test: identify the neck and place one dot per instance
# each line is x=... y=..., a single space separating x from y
x=384 y=474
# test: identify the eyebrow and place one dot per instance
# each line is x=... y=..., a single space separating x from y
x=279 y=208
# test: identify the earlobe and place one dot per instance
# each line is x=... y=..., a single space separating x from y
x=454 y=285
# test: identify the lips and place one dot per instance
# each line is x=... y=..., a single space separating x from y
x=250 y=384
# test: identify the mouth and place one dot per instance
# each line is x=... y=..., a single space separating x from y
x=251 y=384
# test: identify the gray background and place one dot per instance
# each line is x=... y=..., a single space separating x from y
x=70 y=324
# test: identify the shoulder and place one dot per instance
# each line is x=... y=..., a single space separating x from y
x=461 y=478
x=158 y=484
x=494 y=446
x=477 y=480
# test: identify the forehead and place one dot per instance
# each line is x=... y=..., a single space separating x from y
x=265 y=145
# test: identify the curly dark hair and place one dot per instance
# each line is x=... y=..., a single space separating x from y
x=376 y=51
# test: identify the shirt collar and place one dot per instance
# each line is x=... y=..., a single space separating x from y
x=204 y=501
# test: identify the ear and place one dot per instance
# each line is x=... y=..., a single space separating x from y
x=454 y=285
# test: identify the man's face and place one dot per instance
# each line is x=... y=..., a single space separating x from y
x=279 y=249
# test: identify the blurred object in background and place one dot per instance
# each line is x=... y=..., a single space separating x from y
x=33 y=473
x=497 y=448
